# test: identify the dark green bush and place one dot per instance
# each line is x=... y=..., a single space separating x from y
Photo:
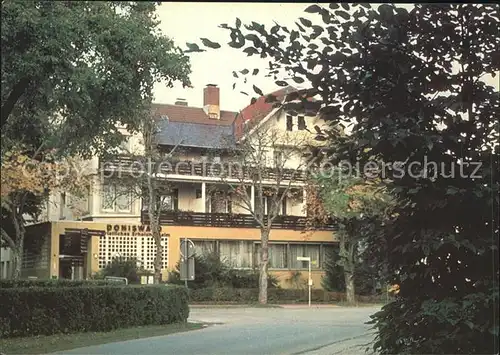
x=276 y=295
x=124 y=267
x=52 y=310
x=211 y=271
x=53 y=283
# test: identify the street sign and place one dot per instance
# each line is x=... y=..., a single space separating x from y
x=187 y=269
x=187 y=248
x=187 y=260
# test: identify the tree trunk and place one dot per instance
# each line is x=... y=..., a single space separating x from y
x=20 y=231
x=349 y=288
x=158 y=260
x=347 y=252
x=264 y=262
x=17 y=260
x=156 y=233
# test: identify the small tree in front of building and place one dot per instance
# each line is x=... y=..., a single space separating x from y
x=356 y=203
x=26 y=180
x=144 y=179
x=267 y=166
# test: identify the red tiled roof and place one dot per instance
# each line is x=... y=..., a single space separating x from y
x=178 y=113
x=259 y=109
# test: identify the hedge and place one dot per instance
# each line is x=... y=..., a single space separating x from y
x=52 y=310
x=54 y=283
x=276 y=295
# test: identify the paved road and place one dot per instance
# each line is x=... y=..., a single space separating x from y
x=292 y=331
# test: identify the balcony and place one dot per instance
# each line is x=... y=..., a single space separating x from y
x=210 y=169
x=229 y=220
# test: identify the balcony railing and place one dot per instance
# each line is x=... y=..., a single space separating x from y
x=234 y=170
x=229 y=220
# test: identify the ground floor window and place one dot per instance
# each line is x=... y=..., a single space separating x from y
x=282 y=255
x=278 y=256
x=238 y=254
x=204 y=247
x=307 y=250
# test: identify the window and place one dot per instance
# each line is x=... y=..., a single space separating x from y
x=307 y=250
x=116 y=199
x=277 y=256
x=204 y=247
x=238 y=254
x=289 y=122
x=301 y=123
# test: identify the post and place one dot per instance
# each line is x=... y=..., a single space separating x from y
x=185 y=251
x=310 y=282
x=203 y=197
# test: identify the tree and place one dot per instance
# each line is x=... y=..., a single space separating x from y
x=334 y=279
x=72 y=72
x=24 y=182
x=77 y=69
x=268 y=166
x=411 y=84
x=145 y=181
x=356 y=203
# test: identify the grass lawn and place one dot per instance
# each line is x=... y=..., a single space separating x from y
x=59 y=342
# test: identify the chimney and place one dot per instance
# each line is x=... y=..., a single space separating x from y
x=181 y=102
x=211 y=104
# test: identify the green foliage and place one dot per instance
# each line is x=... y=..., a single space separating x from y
x=10 y=283
x=52 y=310
x=366 y=275
x=124 y=267
x=334 y=279
x=211 y=271
x=72 y=72
x=411 y=82
x=93 y=62
x=275 y=296
x=347 y=194
x=451 y=317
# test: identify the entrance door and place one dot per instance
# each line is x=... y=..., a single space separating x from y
x=70 y=268
x=65 y=269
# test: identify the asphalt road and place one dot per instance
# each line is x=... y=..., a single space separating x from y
x=291 y=331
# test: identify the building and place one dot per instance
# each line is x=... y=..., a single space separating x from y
x=112 y=221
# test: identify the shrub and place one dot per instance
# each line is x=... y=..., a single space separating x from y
x=53 y=283
x=51 y=310
x=276 y=295
x=124 y=267
x=334 y=279
x=211 y=271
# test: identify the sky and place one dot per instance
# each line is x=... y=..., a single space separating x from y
x=188 y=21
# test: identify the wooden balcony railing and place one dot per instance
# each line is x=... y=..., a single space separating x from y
x=229 y=220
x=233 y=170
